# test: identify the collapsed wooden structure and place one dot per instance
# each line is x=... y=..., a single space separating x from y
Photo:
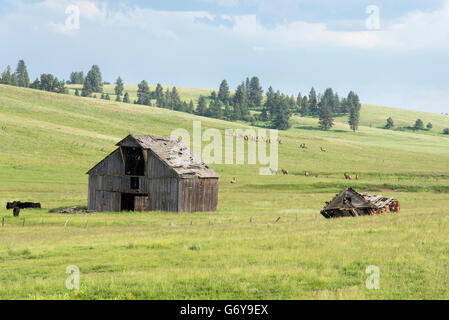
x=150 y=173
x=350 y=203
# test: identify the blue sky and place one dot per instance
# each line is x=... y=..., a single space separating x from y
x=291 y=45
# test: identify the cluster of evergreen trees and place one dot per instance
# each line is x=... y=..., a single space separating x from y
x=169 y=99
x=20 y=78
x=418 y=125
x=328 y=105
x=76 y=78
x=275 y=109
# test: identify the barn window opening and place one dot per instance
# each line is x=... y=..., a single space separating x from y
x=134 y=161
x=135 y=183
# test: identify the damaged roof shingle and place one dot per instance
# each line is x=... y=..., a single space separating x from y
x=173 y=152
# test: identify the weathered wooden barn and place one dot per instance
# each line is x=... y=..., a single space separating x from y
x=149 y=173
x=350 y=203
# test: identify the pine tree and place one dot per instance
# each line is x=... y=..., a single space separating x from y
x=326 y=118
x=354 y=110
x=223 y=92
x=201 y=108
x=175 y=100
x=77 y=92
x=13 y=81
x=93 y=82
x=190 y=108
x=36 y=84
x=118 y=99
x=299 y=102
x=429 y=126
x=6 y=76
x=282 y=113
x=239 y=102
x=419 y=124
x=329 y=99
x=159 y=95
x=107 y=97
x=216 y=109
x=305 y=109
x=23 y=79
x=126 y=98
x=313 y=102
x=143 y=94
x=255 y=93
x=227 y=112
x=77 y=77
x=390 y=123
x=354 y=118
x=119 y=87
x=269 y=103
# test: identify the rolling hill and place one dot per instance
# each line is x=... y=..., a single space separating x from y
x=49 y=141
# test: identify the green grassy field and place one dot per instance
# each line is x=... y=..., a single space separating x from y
x=50 y=141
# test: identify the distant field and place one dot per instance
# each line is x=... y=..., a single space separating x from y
x=50 y=141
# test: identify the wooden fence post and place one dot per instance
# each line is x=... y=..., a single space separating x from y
x=23 y=223
x=3 y=222
x=87 y=224
x=66 y=222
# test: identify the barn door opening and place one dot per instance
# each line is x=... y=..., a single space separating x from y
x=135 y=202
x=127 y=202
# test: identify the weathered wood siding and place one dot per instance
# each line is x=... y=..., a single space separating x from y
x=164 y=190
x=199 y=195
x=108 y=180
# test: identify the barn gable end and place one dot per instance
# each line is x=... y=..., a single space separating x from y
x=174 y=179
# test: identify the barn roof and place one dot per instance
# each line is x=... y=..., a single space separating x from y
x=173 y=152
x=357 y=200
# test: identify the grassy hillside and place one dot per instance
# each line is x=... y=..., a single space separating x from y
x=371 y=116
x=49 y=141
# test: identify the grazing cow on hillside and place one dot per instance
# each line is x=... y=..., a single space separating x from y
x=307 y=174
x=284 y=172
x=233 y=181
x=347 y=176
x=323 y=149
x=303 y=146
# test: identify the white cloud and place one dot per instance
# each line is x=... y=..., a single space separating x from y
x=416 y=30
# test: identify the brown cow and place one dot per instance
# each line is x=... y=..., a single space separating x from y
x=307 y=174
x=323 y=149
x=347 y=176
x=284 y=172
x=233 y=181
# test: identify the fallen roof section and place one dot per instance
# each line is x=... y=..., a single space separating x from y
x=350 y=203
